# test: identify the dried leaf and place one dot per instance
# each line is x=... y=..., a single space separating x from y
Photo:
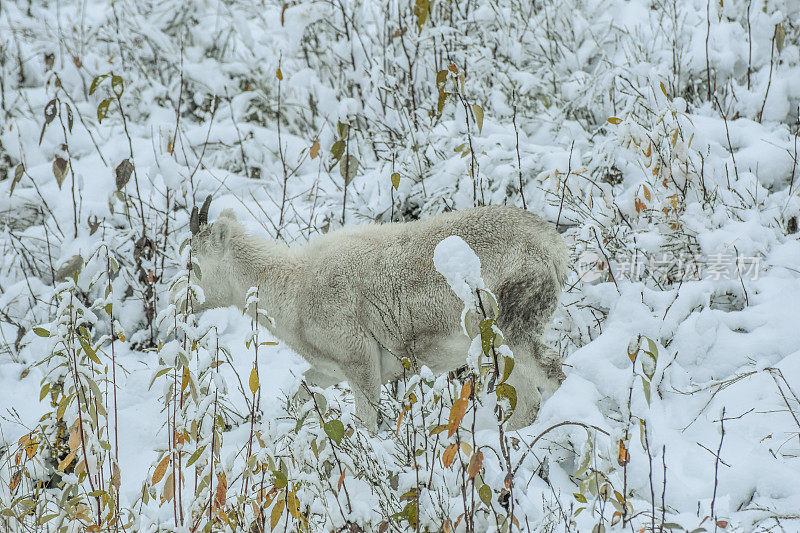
x=314 y=150
x=169 y=488
x=279 y=74
x=60 y=170
x=70 y=118
x=614 y=120
x=478 y=112
x=123 y=173
x=18 y=173
x=780 y=36
x=74 y=438
x=395 y=180
x=116 y=477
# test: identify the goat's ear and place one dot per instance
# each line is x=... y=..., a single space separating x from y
x=228 y=213
x=222 y=232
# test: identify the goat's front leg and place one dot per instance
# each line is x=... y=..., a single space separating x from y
x=363 y=371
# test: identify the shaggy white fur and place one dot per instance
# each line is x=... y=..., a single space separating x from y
x=355 y=301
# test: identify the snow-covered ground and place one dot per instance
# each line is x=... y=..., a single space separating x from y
x=661 y=136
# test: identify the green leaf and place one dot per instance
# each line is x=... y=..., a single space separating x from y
x=337 y=149
x=342 y=129
x=335 y=430
x=96 y=82
x=280 y=480
x=102 y=109
x=348 y=167
x=487 y=335
x=485 y=494
x=508 y=366
x=195 y=456
x=580 y=497
x=117 y=85
x=646 y=388
x=504 y=390
x=321 y=401
x=41 y=332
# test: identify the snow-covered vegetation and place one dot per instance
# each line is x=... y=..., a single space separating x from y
x=660 y=136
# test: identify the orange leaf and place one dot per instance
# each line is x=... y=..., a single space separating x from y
x=399 y=420
x=722 y=523
x=161 y=469
x=15 y=479
x=341 y=480
x=466 y=390
x=646 y=193
x=475 y=464
x=623 y=457
x=222 y=490
x=449 y=454
x=456 y=414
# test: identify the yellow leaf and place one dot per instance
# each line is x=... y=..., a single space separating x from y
x=293 y=505
x=314 y=150
x=614 y=120
x=279 y=75
x=395 y=180
x=478 y=112
x=185 y=379
x=67 y=460
x=277 y=512
x=161 y=469
x=254 y=380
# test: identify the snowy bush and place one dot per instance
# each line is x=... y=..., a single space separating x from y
x=660 y=136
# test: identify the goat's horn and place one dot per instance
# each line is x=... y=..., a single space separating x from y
x=203 y=218
x=194 y=221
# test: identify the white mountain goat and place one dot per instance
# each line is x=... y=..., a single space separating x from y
x=355 y=301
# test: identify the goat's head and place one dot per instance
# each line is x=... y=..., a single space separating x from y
x=211 y=248
x=210 y=241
